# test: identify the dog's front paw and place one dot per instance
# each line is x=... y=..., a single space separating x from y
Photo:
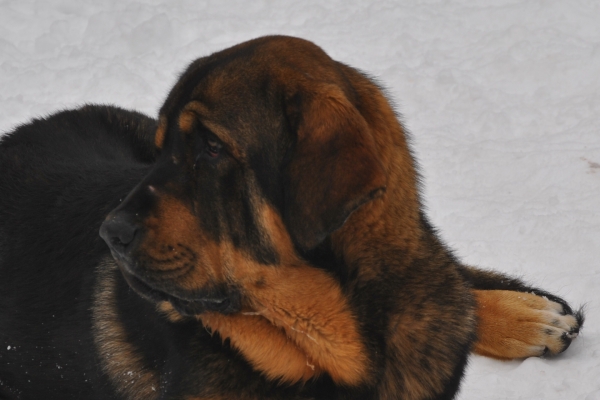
x=518 y=324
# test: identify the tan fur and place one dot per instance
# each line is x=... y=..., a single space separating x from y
x=281 y=360
x=161 y=131
x=304 y=305
x=186 y=121
x=170 y=251
x=166 y=308
x=519 y=325
x=121 y=361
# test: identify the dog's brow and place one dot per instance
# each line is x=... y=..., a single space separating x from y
x=197 y=108
x=191 y=111
x=201 y=112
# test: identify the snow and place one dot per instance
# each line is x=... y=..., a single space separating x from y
x=502 y=98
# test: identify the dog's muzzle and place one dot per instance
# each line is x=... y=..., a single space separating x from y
x=123 y=236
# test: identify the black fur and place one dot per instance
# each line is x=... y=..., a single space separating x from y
x=60 y=176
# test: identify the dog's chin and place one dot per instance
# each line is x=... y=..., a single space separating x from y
x=228 y=303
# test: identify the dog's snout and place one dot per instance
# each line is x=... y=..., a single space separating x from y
x=119 y=232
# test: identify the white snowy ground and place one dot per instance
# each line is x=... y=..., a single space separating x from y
x=502 y=98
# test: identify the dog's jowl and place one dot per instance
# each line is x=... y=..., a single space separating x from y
x=262 y=239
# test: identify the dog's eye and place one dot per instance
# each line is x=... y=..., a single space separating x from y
x=210 y=150
x=213 y=148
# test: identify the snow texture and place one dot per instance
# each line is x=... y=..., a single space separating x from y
x=502 y=98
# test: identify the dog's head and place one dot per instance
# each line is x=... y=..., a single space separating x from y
x=262 y=154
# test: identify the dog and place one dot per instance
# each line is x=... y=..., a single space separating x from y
x=263 y=239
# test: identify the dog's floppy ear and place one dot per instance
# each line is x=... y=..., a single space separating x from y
x=335 y=166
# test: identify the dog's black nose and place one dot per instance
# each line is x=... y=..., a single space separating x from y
x=119 y=232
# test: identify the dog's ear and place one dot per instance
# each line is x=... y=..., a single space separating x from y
x=335 y=166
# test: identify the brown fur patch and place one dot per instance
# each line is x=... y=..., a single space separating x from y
x=186 y=121
x=121 y=360
x=165 y=308
x=519 y=325
x=335 y=144
x=161 y=131
x=190 y=113
x=392 y=219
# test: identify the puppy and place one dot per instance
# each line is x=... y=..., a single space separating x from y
x=272 y=244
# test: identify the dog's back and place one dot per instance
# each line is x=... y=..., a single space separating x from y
x=59 y=177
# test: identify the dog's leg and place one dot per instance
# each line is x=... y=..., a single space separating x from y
x=302 y=315
x=265 y=346
x=518 y=321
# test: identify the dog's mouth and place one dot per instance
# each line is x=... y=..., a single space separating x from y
x=225 y=303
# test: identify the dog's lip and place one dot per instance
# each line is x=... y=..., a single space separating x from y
x=185 y=306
